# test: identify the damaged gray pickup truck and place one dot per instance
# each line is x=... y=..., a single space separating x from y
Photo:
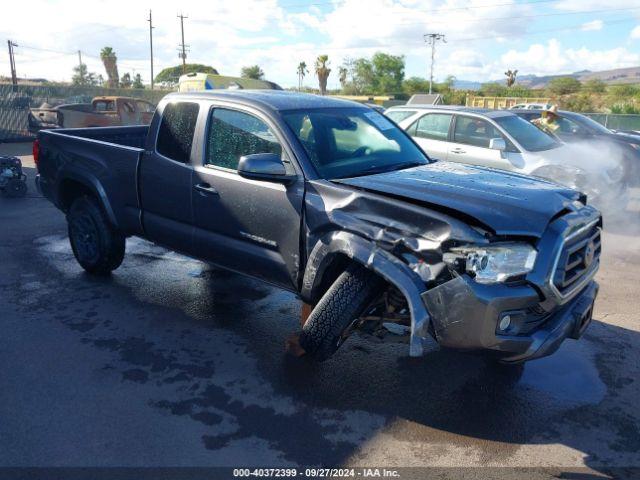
x=331 y=200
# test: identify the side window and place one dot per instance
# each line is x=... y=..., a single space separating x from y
x=474 y=131
x=568 y=126
x=233 y=134
x=399 y=115
x=145 y=107
x=175 y=135
x=434 y=126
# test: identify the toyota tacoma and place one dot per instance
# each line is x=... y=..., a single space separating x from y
x=333 y=201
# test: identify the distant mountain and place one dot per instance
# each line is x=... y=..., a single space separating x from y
x=466 y=85
x=617 y=75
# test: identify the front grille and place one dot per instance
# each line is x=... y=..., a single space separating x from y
x=580 y=255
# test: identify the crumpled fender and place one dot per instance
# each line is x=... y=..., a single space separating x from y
x=378 y=260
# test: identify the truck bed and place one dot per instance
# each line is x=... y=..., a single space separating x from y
x=107 y=157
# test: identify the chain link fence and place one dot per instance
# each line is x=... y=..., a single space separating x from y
x=17 y=100
x=617 y=121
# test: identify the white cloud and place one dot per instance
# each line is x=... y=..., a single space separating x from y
x=229 y=35
x=551 y=58
x=592 y=26
x=582 y=5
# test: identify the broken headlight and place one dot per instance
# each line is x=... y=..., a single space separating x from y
x=494 y=263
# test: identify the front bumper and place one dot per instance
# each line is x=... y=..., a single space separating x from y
x=465 y=315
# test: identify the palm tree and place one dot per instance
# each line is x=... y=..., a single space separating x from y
x=342 y=73
x=302 y=71
x=511 y=77
x=322 y=71
x=110 y=62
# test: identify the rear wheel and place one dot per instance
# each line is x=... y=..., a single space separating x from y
x=337 y=311
x=97 y=245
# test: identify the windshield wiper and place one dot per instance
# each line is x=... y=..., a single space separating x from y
x=387 y=168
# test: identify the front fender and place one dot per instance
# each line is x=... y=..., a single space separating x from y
x=378 y=260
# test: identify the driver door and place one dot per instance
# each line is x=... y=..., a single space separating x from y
x=471 y=139
x=246 y=225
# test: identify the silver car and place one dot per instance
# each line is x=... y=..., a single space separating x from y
x=501 y=139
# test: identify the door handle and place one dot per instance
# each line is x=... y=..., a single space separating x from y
x=458 y=150
x=206 y=189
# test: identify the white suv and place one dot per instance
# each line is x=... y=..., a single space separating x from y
x=501 y=139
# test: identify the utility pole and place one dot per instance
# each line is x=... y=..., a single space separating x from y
x=431 y=39
x=80 y=72
x=184 y=48
x=150 y=20
x=12 y=62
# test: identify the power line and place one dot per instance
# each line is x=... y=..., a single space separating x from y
x=470 y=7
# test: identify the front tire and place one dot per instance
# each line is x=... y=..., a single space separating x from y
x=331 y=319
x=96 y=244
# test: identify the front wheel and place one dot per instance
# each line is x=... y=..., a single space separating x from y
x=97 y=245
x=332 y=318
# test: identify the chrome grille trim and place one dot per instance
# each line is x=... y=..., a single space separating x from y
x=577 y=284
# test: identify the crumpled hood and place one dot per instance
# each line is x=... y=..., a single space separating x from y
x=508 y=203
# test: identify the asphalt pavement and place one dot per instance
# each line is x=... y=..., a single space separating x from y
x=173 y=363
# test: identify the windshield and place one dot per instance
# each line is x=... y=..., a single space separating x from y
x=349 y=142
x=590 y=124
x=530 y=137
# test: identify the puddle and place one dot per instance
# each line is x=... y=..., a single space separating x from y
x=569 y=375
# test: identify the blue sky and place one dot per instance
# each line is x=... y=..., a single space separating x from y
x=484 y=37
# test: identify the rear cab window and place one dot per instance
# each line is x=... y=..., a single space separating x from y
x=177 y=127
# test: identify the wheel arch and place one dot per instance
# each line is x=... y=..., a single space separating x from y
x=72 y=186
x=335 y=250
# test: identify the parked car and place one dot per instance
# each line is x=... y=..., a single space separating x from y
x=501 y=139
x=332 y=201
x=531 y=106
x=101 y=112
x=577 y=128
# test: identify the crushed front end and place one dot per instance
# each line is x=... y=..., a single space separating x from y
x=527 y=313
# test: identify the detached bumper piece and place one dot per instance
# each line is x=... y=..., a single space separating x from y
x=505 y=319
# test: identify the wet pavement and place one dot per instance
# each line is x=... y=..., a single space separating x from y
x=171 y=362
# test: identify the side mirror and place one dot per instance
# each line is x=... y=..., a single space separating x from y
x=264 y=166
x=497 y=144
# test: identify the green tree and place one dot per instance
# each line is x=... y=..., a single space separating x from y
x=415 y=85
x=595 y=85
x=388 y=72
x=125 y=81
x=81 y=77
x=563 y=85
x=254 y=71
x=137 y=81
x=322 y=71
x=622 y=91
x=171 y=75
x=493 y=89
x=110 y=62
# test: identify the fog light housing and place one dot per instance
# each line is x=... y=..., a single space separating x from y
x=505 y=323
